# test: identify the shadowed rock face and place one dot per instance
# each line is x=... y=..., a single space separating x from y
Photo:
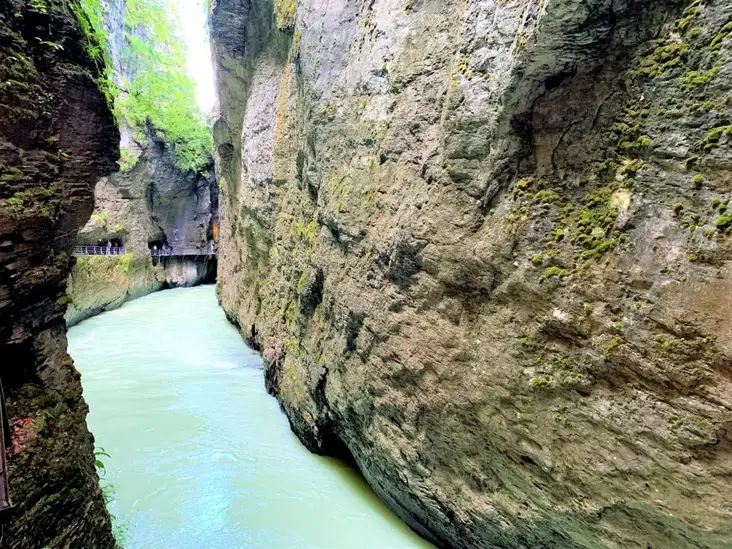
x=153 y=203
x=57 y=137
x=482 y=246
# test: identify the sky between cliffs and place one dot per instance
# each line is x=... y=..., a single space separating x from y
x=193 y=24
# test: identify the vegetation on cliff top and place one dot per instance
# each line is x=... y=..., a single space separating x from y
x=158 y=89
x=90 y=14
x=153 y=87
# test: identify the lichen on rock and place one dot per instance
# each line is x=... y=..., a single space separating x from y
x=477 y=246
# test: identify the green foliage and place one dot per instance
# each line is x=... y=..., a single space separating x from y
x=160 y=92
x=664 y=58
x=690 y=13
x=600 y=248
x=540 y=381
x=522 y=185
x=558 y=234
x=713 y=137
x=90 y=14
x=723 y=33
x=692 y=79
x=285 y=12
x=704 y=106
x=39 y=6
x=128 y=158
x=546 y=196
x=98 y=463
x=50 y=44
x=125 y=261
x=25 y=199
x=552 y=272
x=724 y=221
x=101 y=218
x=308 y=231
x=613 y=344
x=119 y=530
x=302 y=281
x=291 y=314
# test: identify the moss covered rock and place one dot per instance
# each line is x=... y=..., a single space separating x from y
x=57 y=137
x=492 y=248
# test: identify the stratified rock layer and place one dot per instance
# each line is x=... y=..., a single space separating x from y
x=57 y=137
x=485 y=246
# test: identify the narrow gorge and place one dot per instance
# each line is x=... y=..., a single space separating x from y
x=483 y=248
x=165 y=193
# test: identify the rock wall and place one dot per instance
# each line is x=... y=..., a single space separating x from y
x=102 y=283
x=181 y=272
x=57 y=137
x=152 y=204
x=484 y=249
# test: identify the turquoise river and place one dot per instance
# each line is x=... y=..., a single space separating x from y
x=201 y=457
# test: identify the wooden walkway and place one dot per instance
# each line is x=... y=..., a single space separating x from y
x=208 y=251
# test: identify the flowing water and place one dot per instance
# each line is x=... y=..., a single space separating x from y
x=200 y=456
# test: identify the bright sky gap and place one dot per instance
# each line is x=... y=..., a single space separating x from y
x=192 y=16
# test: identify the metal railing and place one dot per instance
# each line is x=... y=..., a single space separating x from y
x=155 y=252
x=182 y=252
x=99 y=250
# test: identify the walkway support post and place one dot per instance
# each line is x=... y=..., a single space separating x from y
x=6 y=509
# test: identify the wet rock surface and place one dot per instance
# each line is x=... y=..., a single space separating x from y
x=485 y=248
x=57 y=137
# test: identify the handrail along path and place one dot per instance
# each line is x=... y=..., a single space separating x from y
x=167 y=252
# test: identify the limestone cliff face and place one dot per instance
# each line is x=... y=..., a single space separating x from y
x=57 y=137
x=153 y=203
x=485 y=246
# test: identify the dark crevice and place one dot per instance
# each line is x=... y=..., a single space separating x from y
x=16 y=367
